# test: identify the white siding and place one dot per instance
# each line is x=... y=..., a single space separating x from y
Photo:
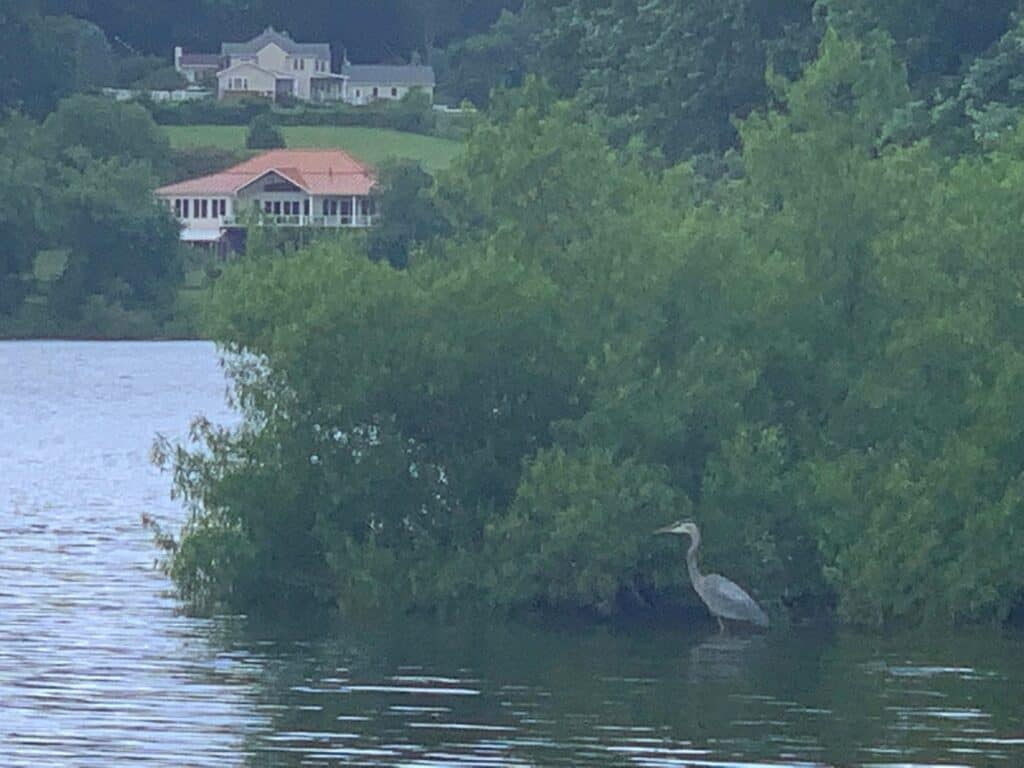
x=245 y=79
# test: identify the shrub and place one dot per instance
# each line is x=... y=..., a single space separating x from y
x=264 y=134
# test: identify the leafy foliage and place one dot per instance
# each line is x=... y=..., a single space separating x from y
x=264 y=134
x=123 y=244
x=818 y=359
x=407 y=213
x=80 y=187
x=37 y=68
x=107 y=129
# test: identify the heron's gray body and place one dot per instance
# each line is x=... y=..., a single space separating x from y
x=728 y=600
x=724 y=598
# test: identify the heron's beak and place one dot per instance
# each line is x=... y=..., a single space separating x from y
x=666 y=529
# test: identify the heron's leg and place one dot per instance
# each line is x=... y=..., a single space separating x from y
x=721 y=625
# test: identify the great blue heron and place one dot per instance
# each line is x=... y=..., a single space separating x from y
x=724 y=598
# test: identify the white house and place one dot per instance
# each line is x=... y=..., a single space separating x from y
x=272 y=65
x=284 y=187
x=373 y=82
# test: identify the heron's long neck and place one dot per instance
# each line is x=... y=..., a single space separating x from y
x=691 y=560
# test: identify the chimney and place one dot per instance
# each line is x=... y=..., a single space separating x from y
x=177 y=58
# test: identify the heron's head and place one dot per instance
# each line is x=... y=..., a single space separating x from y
x=682 y=527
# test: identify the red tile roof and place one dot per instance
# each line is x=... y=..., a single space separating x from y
x=317 y=171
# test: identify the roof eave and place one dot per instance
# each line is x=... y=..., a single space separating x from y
x=260 y=175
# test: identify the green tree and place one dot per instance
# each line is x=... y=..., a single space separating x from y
x=37 y=69
x=23 y=193
x=263 y=133
x=820 y=359
x=471 y=69
x=675 y=71
x=122 y=243
x=934 y=37
x=408 y=216
x=107 y=129
x=93 y=64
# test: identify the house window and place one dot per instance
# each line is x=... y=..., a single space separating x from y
x=277 y=207
x=394 y=91
x=376 y=91
x=177 y=207
x=359 y=93
x=268 y=207
x=305 y=207
x=205 y=209
x=223 y=207
x=365 y=207
x=346 y=211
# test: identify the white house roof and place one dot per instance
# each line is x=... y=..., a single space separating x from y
x=380 y=74
x=282 y=39
x=248 y=65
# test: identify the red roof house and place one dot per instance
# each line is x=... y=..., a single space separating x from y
x=287 y=187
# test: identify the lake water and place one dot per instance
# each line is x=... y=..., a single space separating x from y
x=98 y=667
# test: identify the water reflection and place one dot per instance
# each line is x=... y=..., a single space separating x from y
x=723 y=657
x=415 y=693
x=98 y=668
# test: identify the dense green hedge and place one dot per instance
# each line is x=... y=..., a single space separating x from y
x=821 y=361
x=413 y=114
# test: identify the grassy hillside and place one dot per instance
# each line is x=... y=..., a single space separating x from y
x=371 y=145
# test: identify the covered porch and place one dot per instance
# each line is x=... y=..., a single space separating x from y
x=278 y=200
x=311 y=211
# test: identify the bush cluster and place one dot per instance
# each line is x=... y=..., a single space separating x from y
x=819 y=358
x=412 y=114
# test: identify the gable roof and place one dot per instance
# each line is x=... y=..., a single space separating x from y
x=381 y=74
x=248 y=65
x=316 y=171
x=282 y=39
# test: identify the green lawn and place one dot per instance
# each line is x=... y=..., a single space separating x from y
x=371 y=145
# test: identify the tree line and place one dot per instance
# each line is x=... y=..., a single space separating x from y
x=675 y=73
x=87 y=249
x=815 y=355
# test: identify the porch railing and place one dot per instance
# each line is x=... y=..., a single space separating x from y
x=281 y=220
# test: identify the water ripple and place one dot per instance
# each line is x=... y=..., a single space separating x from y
x=98 y=667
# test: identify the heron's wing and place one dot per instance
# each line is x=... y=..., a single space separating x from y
x=730 y=601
